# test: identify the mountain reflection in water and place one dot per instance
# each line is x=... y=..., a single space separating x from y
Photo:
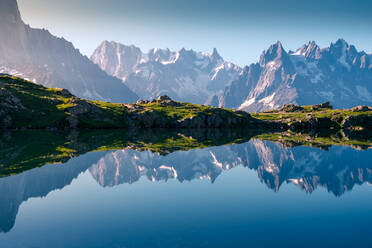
x=33 y=164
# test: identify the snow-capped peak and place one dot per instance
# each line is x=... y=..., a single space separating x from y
x=184 y=75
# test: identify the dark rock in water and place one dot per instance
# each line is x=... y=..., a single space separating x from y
x=352 y=134
x=358 y=121
x=326 y=105
x=361 y=108
x=291 y=108
x=313 y=123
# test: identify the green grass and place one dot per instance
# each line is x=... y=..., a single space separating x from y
x=298 y=116
x=46 y=107
x=186 y=110
x=323 y=140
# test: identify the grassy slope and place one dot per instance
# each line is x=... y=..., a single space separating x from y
x=188 y=110
x=49 y=107
x=339 y=114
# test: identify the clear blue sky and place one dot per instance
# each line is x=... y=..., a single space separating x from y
x=239 y=29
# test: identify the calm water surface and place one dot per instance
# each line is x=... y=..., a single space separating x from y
x=256 y=194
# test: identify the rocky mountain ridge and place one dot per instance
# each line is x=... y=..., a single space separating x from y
x=185 y=75
x=39 y=56
x=339 y=74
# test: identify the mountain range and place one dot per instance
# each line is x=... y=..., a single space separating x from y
x=39 y=56
x=339 y=74
x=185 y=75
x=118 y=73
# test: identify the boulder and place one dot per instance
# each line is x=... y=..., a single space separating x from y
x=361 y=108
x=198 y=121
x=81 y=108
x=326 y=105
x=140 y=101
x=291 y=108
x=313 y=123
x=164 y=98
x=167 y=101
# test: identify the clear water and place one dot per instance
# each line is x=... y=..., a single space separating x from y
x=256 y=194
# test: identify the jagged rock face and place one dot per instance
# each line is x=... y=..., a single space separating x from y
x=185 y=75
x=339 y=74
x=39 y=56
x=9 y=12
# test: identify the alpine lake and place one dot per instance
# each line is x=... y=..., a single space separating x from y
x=195 y=188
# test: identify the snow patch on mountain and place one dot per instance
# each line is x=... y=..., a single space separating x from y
x=268 y=101
x=311 y=75
x=247 y=103
x=185 y=75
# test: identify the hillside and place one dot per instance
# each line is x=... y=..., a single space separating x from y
x=26 y=105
